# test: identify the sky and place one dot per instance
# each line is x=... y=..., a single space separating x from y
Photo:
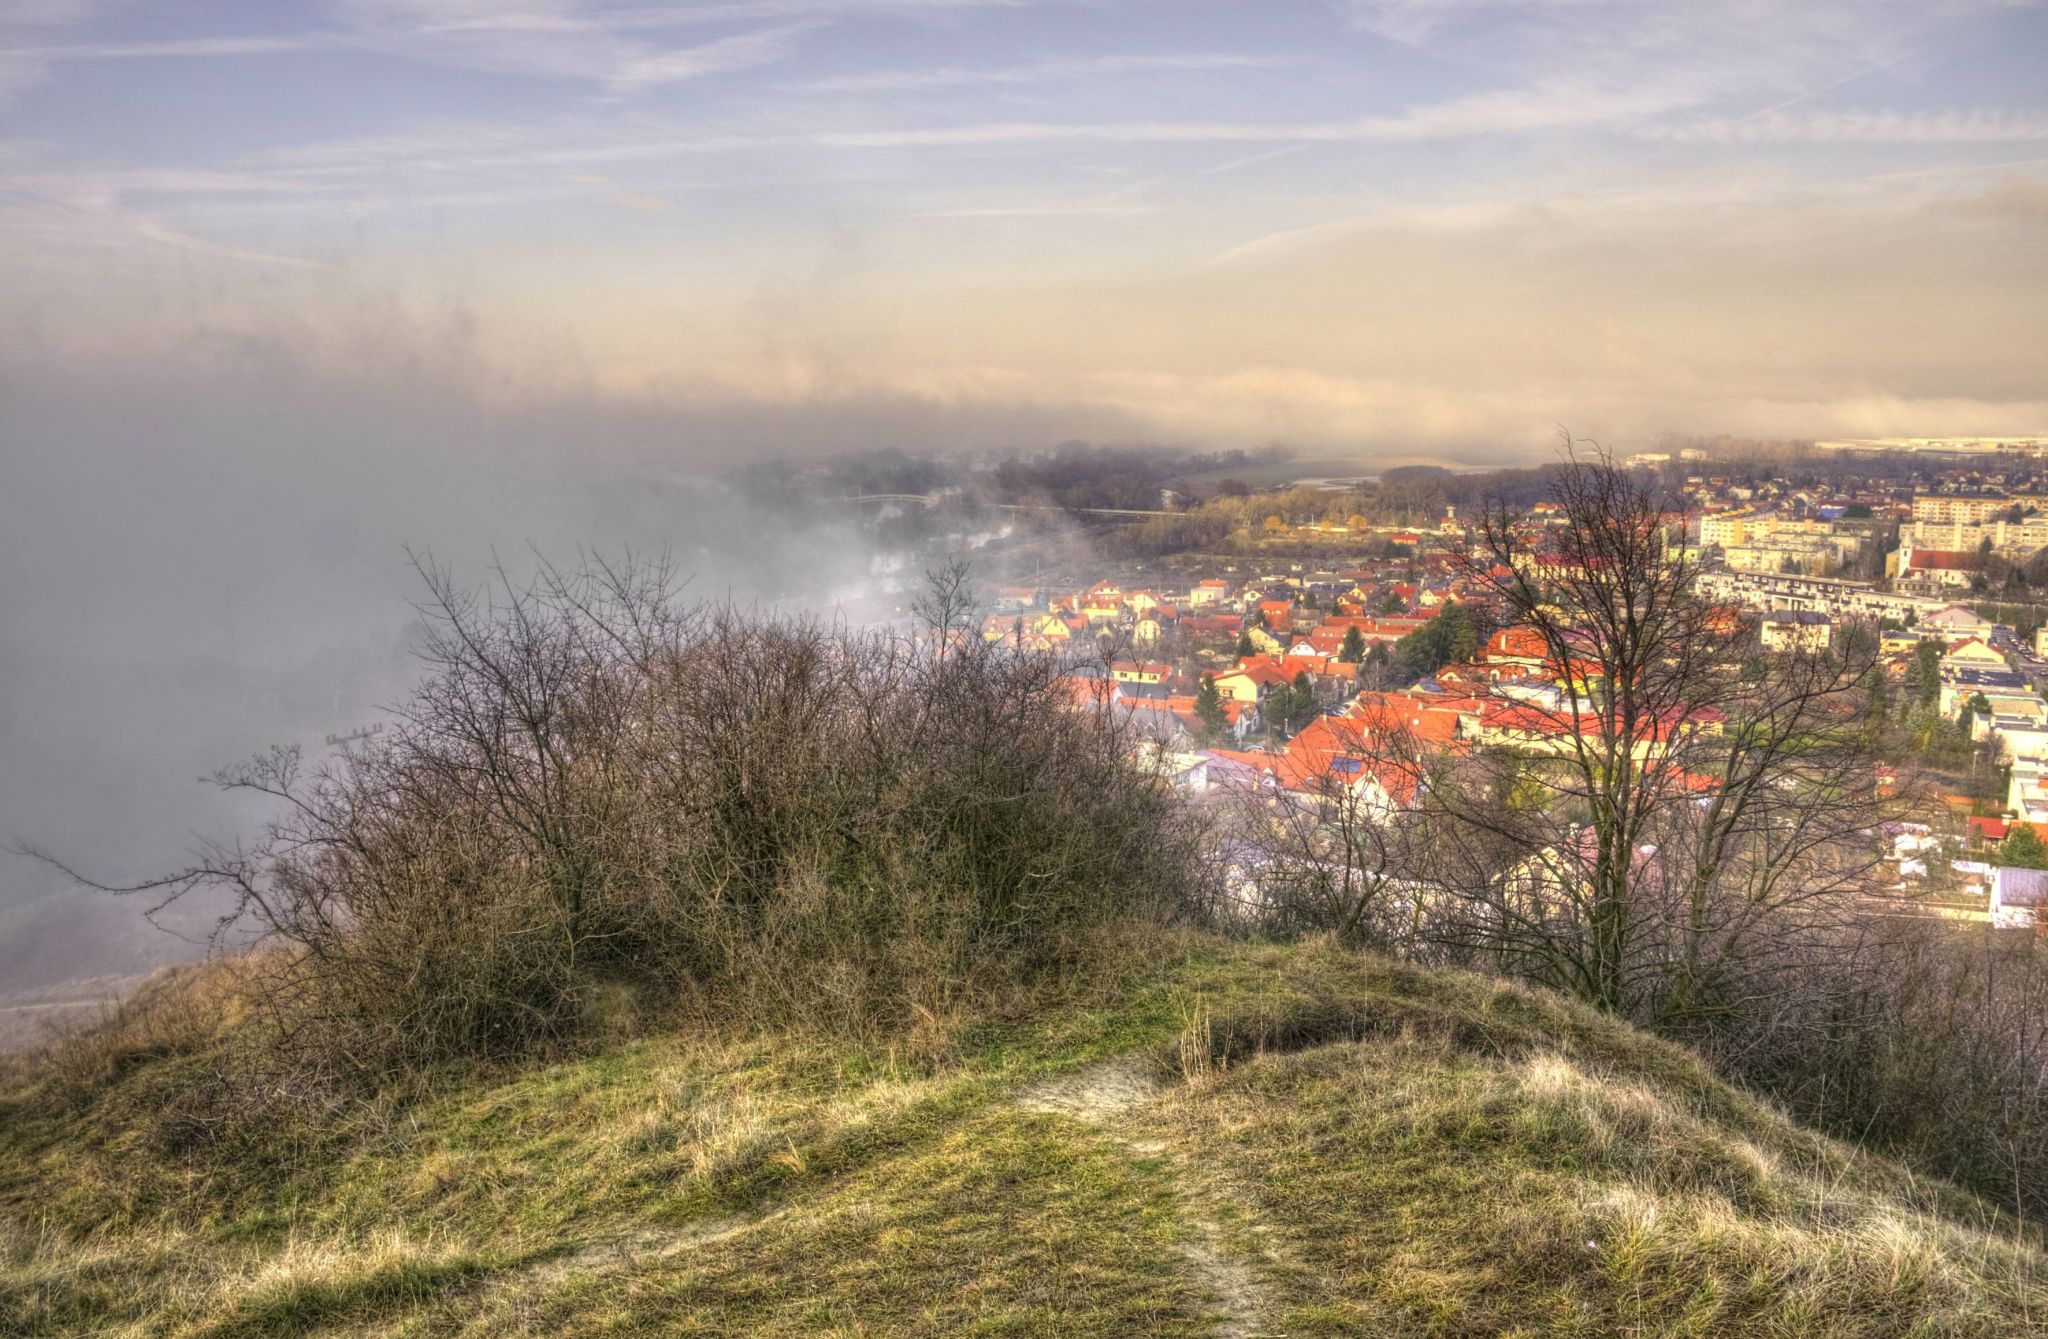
x=1375 y=226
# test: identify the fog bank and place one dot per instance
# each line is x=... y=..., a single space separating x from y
x=194 y=568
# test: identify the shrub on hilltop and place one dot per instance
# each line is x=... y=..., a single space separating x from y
x=596 y=784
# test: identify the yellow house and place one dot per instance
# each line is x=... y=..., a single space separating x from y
x=1048 y=627
x=1265 y=641
x=1248 y=683
x=1134 y=671
x=1972 y=654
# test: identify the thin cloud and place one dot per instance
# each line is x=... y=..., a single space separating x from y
x=726 y=55
x=652 y=204
x=1253 y=159
x=576 y=19
x=151 y=231
x=558 y=40
x=479 y=148
x=1045 y=71
x=1508 y=112
x=185 y=47
x=1859 y=127
x=1038 y=212
x=1415 y=21
x=82 y=209
x=22 y=68
x=1738 y=204
x=109 y=184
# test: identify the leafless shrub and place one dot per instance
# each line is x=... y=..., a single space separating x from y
x=1333 y=844
x=755 y=813
x=1921 y=1038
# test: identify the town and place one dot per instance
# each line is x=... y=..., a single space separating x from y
x=1285 y=660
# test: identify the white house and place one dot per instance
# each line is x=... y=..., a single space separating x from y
x=2020 y=734
x=2017 y=896
x=1795 y=630
x=2026 y=793
x=1955 y=622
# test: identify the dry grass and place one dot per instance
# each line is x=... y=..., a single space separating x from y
x=1356 y=1148
x=176 y=1011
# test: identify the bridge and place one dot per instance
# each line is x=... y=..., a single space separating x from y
x=928 y=499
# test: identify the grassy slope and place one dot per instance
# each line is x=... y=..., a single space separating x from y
x=1257 y=1141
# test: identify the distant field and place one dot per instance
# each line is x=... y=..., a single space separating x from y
x=1271 y=474
x=28 y=1017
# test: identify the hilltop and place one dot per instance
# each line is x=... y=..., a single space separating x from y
x=1235 y=1140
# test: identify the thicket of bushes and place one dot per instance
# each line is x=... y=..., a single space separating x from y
x=597 y=786
x=1921 y=1038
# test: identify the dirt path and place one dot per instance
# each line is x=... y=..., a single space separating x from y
x=1098 y=1095
x=1093 y=1094
x=618 y=1252
x=510 y=1302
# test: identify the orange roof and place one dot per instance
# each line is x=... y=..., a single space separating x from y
x=1311 y=665
x=1421 y=716
x=1329 y=751
x=1995 y=829
x=1510 y=714
x=1519 y=643
x=1260 y=670
x=1944 y=560
x=1322 y=758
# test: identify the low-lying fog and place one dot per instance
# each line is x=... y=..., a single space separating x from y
x=192 y=572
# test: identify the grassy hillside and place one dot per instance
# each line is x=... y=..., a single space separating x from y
x=1243 y=1142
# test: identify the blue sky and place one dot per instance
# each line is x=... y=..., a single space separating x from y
x=1384 y=225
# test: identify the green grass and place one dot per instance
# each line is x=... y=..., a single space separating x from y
x=1268 y=1141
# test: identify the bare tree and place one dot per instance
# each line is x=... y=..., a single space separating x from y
x=1673 y=794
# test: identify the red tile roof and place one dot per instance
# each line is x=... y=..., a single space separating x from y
x=1517 y=643
x=1944 y=560
x=1419 y=715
